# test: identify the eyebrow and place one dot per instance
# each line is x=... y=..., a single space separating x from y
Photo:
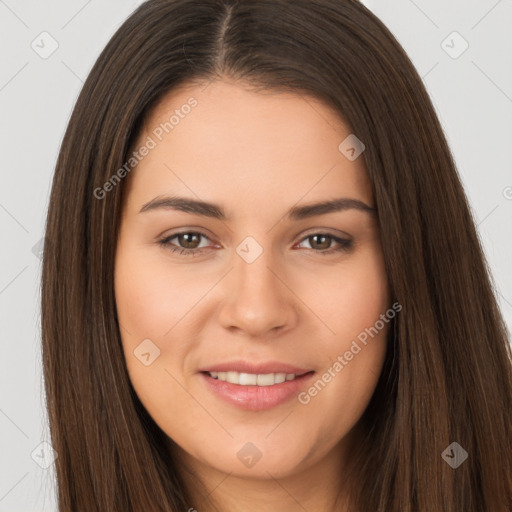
x=203 y=208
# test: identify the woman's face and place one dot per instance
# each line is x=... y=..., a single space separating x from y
x=261 y=289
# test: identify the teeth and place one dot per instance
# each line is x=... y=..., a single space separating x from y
x=246 y=379
x=251 y=379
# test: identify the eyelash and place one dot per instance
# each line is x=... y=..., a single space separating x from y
x=345 y=244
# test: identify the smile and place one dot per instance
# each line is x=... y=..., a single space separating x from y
x=252 y=379
x=255 y=391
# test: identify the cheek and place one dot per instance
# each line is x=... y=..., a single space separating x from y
x=349 y=297
x=354 y=351
x=143 y=300
x=152 y=296
x=150 y=302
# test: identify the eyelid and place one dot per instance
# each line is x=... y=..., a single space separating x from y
x=204 y=232
x=344 y=242
x=326 y=231
x=187 y=229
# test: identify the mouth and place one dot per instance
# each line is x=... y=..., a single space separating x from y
x=256 y=390
x=253 y=379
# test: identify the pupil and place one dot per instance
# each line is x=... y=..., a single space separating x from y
x=188 y=236
x=325 y=245
x=189 y=243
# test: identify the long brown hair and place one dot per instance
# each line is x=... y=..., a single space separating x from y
x=447 y=375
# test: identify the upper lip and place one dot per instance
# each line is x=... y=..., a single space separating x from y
x=259 y=368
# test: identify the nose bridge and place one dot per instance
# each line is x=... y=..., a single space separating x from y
x=257 y=277
x=253 y=261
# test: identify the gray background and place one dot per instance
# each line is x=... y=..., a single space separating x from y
x=471 y=90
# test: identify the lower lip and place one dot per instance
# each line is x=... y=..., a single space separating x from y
x=257 y=398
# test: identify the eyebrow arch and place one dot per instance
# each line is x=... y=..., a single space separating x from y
x=295 y=213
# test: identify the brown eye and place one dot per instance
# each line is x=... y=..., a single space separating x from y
x=187 y=242
x=321 y=243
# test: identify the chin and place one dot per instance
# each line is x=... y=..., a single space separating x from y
x=259 y=459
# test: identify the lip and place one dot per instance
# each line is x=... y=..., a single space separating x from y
x=259 y=368
x=256 y=398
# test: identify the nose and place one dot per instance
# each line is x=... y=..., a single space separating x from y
x=257 y=299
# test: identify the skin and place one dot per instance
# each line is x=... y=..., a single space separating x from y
x=256 y=154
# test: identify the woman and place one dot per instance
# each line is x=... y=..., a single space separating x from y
x=201 y=351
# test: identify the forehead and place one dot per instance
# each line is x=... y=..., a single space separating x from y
x=225 y=142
